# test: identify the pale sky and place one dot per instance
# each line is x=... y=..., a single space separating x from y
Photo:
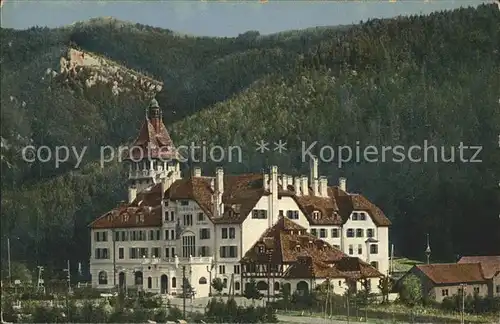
x=217 y=18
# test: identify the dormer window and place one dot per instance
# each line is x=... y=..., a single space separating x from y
x=261 y=249
x=354 y=216
x=362 y=216
x=316 y=215
x=297 y=247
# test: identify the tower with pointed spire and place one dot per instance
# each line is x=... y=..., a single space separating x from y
x=152 y=158
x=428 y=250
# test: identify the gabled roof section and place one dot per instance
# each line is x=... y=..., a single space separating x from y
x=144 y=211
x=241 y=194
x=193 y=188
x=306 y=267
x=452 y=273
x=490 y=265
x=336 y=208
x=288 y=241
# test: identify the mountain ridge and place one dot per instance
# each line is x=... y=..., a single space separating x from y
x=383 y=82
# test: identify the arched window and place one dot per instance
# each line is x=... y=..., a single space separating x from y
x=276 y=286
x=174 y=282
x=138 y=278
x=236 y=285
x=202 y=281
x=302 y=286
x=225 y=282
x=103 y=278
x=150 y=282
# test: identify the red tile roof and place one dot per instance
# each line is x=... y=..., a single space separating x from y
x=152 y=142
x=490 y=265
x=242 y=192
x=289 y=243
x=144 y=211
x=452 y=273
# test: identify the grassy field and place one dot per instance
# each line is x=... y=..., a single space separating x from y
x=404 y=264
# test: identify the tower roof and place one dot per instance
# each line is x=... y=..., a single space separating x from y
x=153 y=141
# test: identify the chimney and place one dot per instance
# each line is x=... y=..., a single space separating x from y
x=316 y=187
x=323 y=187
x=284 y=182
x=314 y=168
x=296 y=186
x=197 y=172
x=274 y=195
x=219 y=187
x=304 y=186
x=343 y=184
x=132 y=193
x=266 y=182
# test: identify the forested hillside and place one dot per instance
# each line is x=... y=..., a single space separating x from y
x=383 y=82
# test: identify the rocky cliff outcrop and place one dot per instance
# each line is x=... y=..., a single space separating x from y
x=88 y=70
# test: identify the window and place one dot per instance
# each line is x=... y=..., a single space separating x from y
x=228 y=251
x=337 y=246
x=102 y=253
x=476 y=290
x=143 y=252
x=237 y=269
x=224 y=282
x=360 y=249
x=498 y=289
x=201 y=217
x=354 y=216
x=188 y=246
x=172 y=235
x=351 y=250
x=103 y=278
x=172 y=252
x=166 y=216
x=166 y=235
x=322 y=233
x=204 y=251
x=133 y=253
x=101 y=236
x=369 y=232
x=202 y=281
x=174 y=282
x=316 y=214
x=117 y=236
x=373 y=249
x=121 y=253
x=188 y=220
x=204 y=233
x=167 y=252
x=222 y=269
x=184 y=202
x=237 y=285
x=259 y=214
x=281 y=213
x=362 y=216
x=314 y=232
x=124 y=236
x=444 y=292
x=172 y=216
x=150 y=282
x=335 y=232
x=232 y=233
x=224 y=233
x=350 y=232
x=359 y=232
x=292 y=214
x=374 y=264
x=155 y=252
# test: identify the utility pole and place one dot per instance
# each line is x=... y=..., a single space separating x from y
x=184 y=292
x=348 y=314
x=462 y=317
x=68 y=276
x=8 y=260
